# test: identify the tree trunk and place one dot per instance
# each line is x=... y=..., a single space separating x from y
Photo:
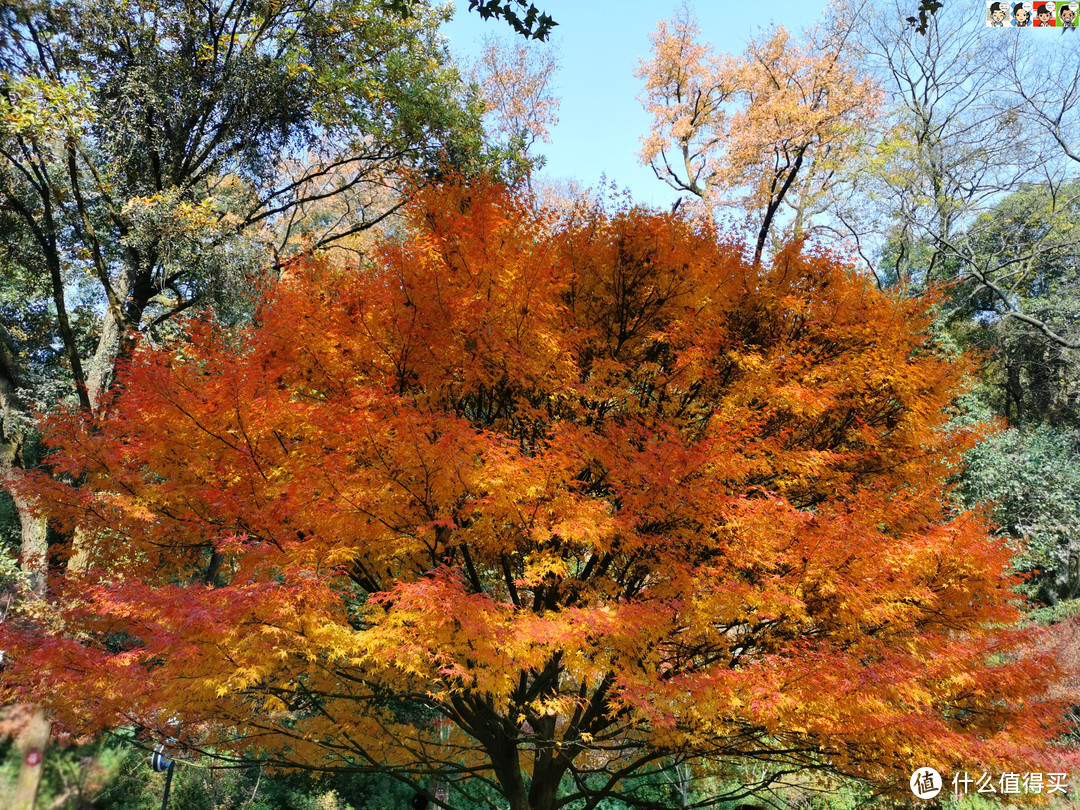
x=682 y=784
x=33 y=545
x=102 y=366
x=14 y=420
x=31 y=744
x=507 y=769
x=34 y=548
x=100 y=373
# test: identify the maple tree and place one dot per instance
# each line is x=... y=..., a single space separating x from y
x=777 y=126
x=542 y=504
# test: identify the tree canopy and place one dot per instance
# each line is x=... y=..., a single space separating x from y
x=774 y=128
x=156 y=157
x=541 y=504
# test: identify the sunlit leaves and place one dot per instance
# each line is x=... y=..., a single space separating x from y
x=516 y=88
x=594 y=485
x=769 y=128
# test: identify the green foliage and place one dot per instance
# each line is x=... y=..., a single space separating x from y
x=83 y=776
x=112 y=774
x=1054 y=614
x=158 y=156
x=532 y=24
x=1016 y=297
x=526 y=19
x=927 y=10
x=1033 y=479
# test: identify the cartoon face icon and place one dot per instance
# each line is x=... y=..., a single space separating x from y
x=1068 y=16
x=997 y=13
x=1044 y=14
x=1021 y=15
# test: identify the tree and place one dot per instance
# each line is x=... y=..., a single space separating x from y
x=1017 y=293
x=772 y=128
x=972 y=184
x=1048 y=91
x=1016 y=298
x=541 y=506
x=955 y=140
x=155 y=151
x=516 y=88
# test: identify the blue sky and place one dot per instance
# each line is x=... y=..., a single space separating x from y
x=599 y=45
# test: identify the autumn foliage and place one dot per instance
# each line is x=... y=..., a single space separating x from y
x=771 y=130
x=548 y=501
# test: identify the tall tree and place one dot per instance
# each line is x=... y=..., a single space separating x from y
x=149 y=147
x=767 y=132
x=542 y=505
x=517 y=89
x=955 y=139
x=1045 y=80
